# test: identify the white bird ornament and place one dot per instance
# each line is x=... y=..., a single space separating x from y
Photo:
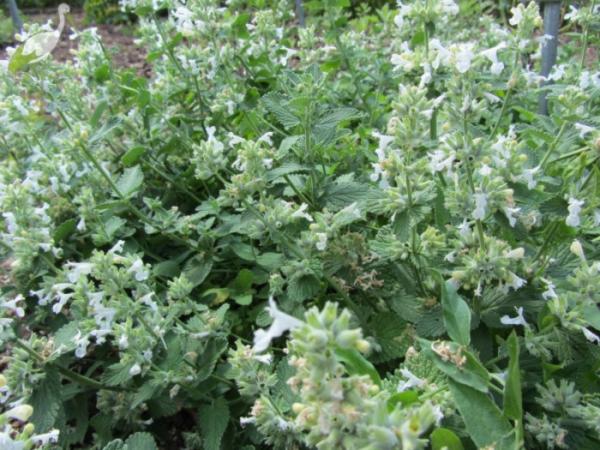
x=39 y=45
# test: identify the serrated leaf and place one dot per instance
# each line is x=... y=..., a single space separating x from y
x=141 y=441
x=130 y=181
x=213 y=420
x=303 y=287
x=275 y=104
x=483 y=419
x=390 y=333
x=287 y=143
x=46 y=401
x=196 y=269
x=117 y=444
x=332 y=118
x=457 y=315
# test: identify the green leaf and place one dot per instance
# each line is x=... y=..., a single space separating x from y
x=141 y=441
x=131 y=156
x=213 y=420
x=405 y=398
x=243 y=281
x=196 y=269
x=130 y=181
x=117 y=444
x=274 y=103
x=443 y=438
x=457 y=315
x=471 y=373
x=303 y=287
x=513 y=402
x=357 y=364
x=287 y=143
x=483 y=419
x=46 y=402
x=270 y=261
x=338 y=115
x=64 y=229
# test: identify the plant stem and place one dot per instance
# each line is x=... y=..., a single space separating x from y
x=554 y=143
x=584 y=45
x=67 y=373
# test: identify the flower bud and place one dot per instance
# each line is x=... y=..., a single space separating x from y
x=363 y=346
x=577 y=249
x=28 y=430
x=21 y=412
x=348 y=338
x=298 y=408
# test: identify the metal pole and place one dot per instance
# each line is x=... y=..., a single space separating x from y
x=300 y=12
x=550 y=48
x=14 y=14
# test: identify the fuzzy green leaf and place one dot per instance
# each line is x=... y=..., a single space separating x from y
x=443 y=438
x=213 y=420
x=513 y=402
x=483 y=419
x=130 y=181
x=141 y=441
x=457 y=315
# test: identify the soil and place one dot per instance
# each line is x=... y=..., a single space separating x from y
x=117 y=37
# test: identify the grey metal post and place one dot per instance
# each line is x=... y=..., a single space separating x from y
x=300 y=12
x=549 y=50
x=14 y=14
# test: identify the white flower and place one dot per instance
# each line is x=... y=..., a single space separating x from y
x=527 y=176
x=517 y=16
x=510 y=215
x=462 y=57
x=411 y=381
x=557 y=72
x=518 y=320
x=549 y=293
x=20 y=412
x=117 y=248
x=577 y=249
x=7 y=443
x=282 y=322
x=267 y=358
x=516 y=282
x=322 y=241
x=438 y=161
x=480 y=206
x=574 y=208
x=438 y=414
x=12 y=305
x=81 y=343
x=464 y=229
x=139 y=271
x=266 y=138
x=81 y=225
x=450 y=257
x=492 y=55
x=404 y=60
x=246 y=420
x=485 y=170
x=301 y=213
x=147 y=300
x=123 y=342
x=592 y=337
x=449 y=7
x=136 y=369
x=516 y=253
x=51 y=437
x=76 y=270
x=572 y=14
x=583 y=129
